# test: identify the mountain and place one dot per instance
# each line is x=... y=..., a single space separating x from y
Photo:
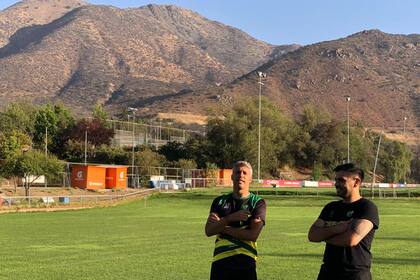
x=162 y=58
x=124 y=57
x=30 y=12
x=380 y=72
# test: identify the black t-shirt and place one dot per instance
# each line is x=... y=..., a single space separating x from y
x=227 y=204
x=356 y=258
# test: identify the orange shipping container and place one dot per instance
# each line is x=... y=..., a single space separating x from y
x=88 y=177
x=116 y=177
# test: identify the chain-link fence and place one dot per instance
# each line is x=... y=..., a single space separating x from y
x=129 y=133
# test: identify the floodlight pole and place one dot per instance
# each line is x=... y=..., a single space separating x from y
x=46 y=140
x=46 y=152
x=376 y=161
x=404 y=119
x=260 y=83
x=133 y=111
x=348 y=129
x=86 y=135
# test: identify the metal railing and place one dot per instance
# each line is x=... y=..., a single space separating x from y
x=63 y=201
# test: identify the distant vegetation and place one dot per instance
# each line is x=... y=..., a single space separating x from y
x=314 y=142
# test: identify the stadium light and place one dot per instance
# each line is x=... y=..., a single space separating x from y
x=404 y=119
x=376 y=162
x=260 y=76
x=348 y=128
x=133 y=111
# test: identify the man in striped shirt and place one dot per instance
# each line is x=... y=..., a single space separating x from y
x=236 y=219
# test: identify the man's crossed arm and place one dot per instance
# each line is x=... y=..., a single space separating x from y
x=344 y=234
x=216 y=225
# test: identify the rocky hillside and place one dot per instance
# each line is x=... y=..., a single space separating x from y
x=379 y=71
x=33 y=12
x=172 y=60
x=124 y=57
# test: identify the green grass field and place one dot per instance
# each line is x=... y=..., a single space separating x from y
x=164 y=239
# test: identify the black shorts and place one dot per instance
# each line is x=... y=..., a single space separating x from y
x=239 y=267
x=326 y=274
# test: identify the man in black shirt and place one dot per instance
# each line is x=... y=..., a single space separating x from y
x=237 y=219
x=347 y=227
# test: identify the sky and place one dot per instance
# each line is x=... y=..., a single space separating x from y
x=296 y=21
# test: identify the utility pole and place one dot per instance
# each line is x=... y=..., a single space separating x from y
x=260 y=83
x=86 y=137
x=348 y=129
x=46 y=152
x=376 y=161
x=46 y=140
x=134 y=181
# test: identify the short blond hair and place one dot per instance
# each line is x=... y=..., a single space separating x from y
x=241 y=163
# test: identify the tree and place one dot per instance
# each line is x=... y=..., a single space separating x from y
x=394 y=161
x=13 y=143
x=197 y=148
x=97 y=132
x=187 y=164
x=235 y=137
x=56 y=121
x=362 y=149
x=18 y=116
x=99 y=113
x=32 y=164
x=317 y=171
x=145 y=160
x=147 y=157
x=173 y=151
x=111 y=155
x=312 y=117
x=46 y=121
x=415 y=167
x=74 y=151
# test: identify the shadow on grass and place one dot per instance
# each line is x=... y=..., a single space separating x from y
x=306 y=255
x=376 y=260
x=414 y=239
x=396 y=260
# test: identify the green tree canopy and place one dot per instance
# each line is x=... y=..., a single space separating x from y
x=18 y=116
x=33 y=164
x=99 y=113
x=13 y=143
x=394 y=161
x=55 y=121
x=173 y=151
x=235 y=137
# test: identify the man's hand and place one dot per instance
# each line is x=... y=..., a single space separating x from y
x=241 y=215
x=213 y=218
x=249 y=234
x=215 y=224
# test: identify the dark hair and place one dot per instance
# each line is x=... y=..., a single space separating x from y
x=351 y=168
